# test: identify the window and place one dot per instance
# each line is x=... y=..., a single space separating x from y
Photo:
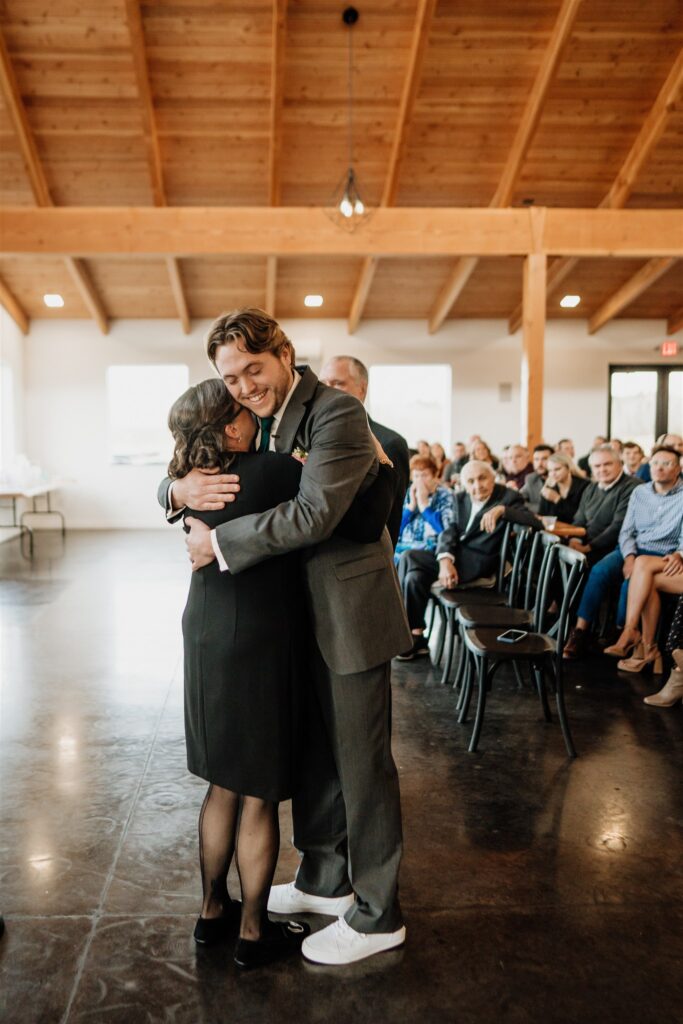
x=7 y=417
x=138 y=400
x=644 y=402
x=414 y=400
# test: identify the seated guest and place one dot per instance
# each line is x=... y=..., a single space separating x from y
x=633 y=456
x=674 y=441
x=423 y=449
x=603 y=505
x=438 y=453
x=651 y=577
x=583 y=463
x=615 y=443
x=531 y=491
x=566 y=446
x=480 y=451
x=561 y=494
x=468 y=549
x=653 y=526
x=453 y=467
x=427 y=511
x=516 y=466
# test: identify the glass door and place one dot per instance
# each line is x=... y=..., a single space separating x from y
x=633 y=406
x=675 y=411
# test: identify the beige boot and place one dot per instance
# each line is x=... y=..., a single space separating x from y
x=672 y=690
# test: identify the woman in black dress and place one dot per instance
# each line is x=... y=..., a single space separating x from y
x=243 y=670
x=561 y=494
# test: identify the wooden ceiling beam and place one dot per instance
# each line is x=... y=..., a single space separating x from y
x=88 y=292
x=13 y=307
x=136 y=31
x=83 y=231
x=277 y=91
x=622 y=186
x=36 y=174
x=629 y=291
x=411 y=84
x=675 y=322
x=464 y=268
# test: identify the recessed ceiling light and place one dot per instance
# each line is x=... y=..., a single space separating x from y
x=55 y=301
x=570 y=301
x=313 y=300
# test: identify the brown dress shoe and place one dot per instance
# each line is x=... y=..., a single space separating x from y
x=577 y=645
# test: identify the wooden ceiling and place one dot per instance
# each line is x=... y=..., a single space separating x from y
x=225 y=103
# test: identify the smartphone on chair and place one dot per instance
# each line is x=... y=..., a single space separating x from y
x=512 y=636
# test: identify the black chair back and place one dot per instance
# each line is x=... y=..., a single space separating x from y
x=522 y=545
x=536 y=570
x=569 y=568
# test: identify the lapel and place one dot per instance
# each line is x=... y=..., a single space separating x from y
x=476 y=522
x=296 y=410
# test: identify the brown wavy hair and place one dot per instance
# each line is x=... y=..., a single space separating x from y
x=258 y=331
x=197 y=421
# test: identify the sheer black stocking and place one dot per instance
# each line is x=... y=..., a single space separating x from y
x=217 y=827
x=258 y=845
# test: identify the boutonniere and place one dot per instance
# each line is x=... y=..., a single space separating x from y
x=300 y=454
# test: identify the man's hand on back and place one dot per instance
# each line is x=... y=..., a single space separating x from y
x=205 y=489
x=198 y=544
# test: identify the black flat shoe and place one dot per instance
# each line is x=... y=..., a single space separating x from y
x=210 y=931
x=278 y=939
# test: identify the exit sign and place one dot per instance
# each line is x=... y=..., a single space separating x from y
x=669 y=348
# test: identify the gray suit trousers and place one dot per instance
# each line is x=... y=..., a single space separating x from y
x=346 y=809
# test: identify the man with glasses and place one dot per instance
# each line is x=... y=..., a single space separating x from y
x=653 y=526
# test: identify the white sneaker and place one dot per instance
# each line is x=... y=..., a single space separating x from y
x=340 y=944
x=287 y=899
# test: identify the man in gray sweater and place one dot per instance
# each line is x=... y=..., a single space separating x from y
x=603 y=504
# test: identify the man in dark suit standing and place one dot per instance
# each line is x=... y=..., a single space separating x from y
x=346 y=373
x=347 y=818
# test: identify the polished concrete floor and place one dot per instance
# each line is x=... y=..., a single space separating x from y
x=535 y=890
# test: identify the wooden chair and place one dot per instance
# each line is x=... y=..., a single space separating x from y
x=541 y=650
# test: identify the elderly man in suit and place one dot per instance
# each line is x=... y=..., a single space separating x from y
x=350 y=375
x=347 y=819
x=468 y=549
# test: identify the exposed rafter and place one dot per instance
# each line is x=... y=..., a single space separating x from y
x=277 y=90
x=411 y=82
x=622 y=186
x=465 y=266
x=675 y=321
x=36 y=174
x=153 y=149
x=308 y=231
x=12 y=305
x=629 y=291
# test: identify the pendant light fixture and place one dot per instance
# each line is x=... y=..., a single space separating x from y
x=347 y=207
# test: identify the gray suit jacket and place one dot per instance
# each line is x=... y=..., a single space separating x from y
x=354 y=598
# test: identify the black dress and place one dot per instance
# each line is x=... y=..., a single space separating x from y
x=566 y=508
x=243 y=652
x=245 y=636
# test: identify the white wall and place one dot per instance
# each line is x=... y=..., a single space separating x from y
x=11 y=390
x=65 y=408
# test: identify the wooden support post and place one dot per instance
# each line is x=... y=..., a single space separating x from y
x=271 y=284
x=533 y=344
x=675 y=322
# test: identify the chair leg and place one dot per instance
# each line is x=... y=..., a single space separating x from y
x=450 y=644
x=432 y=616
x=482 y=681
x=466 y=694
x=464 y=654
x=539 y=676
x=441 y=638
x=561 y=710
x=518 y=675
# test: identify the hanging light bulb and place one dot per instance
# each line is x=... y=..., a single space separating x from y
x=348 y=209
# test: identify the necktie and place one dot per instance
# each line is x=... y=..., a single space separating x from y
x=266 y=424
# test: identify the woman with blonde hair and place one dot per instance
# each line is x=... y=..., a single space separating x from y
x=561 y=493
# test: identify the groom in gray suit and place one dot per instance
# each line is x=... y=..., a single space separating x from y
x=347 y=819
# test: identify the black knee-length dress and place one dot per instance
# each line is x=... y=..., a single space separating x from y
x=243 y=637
